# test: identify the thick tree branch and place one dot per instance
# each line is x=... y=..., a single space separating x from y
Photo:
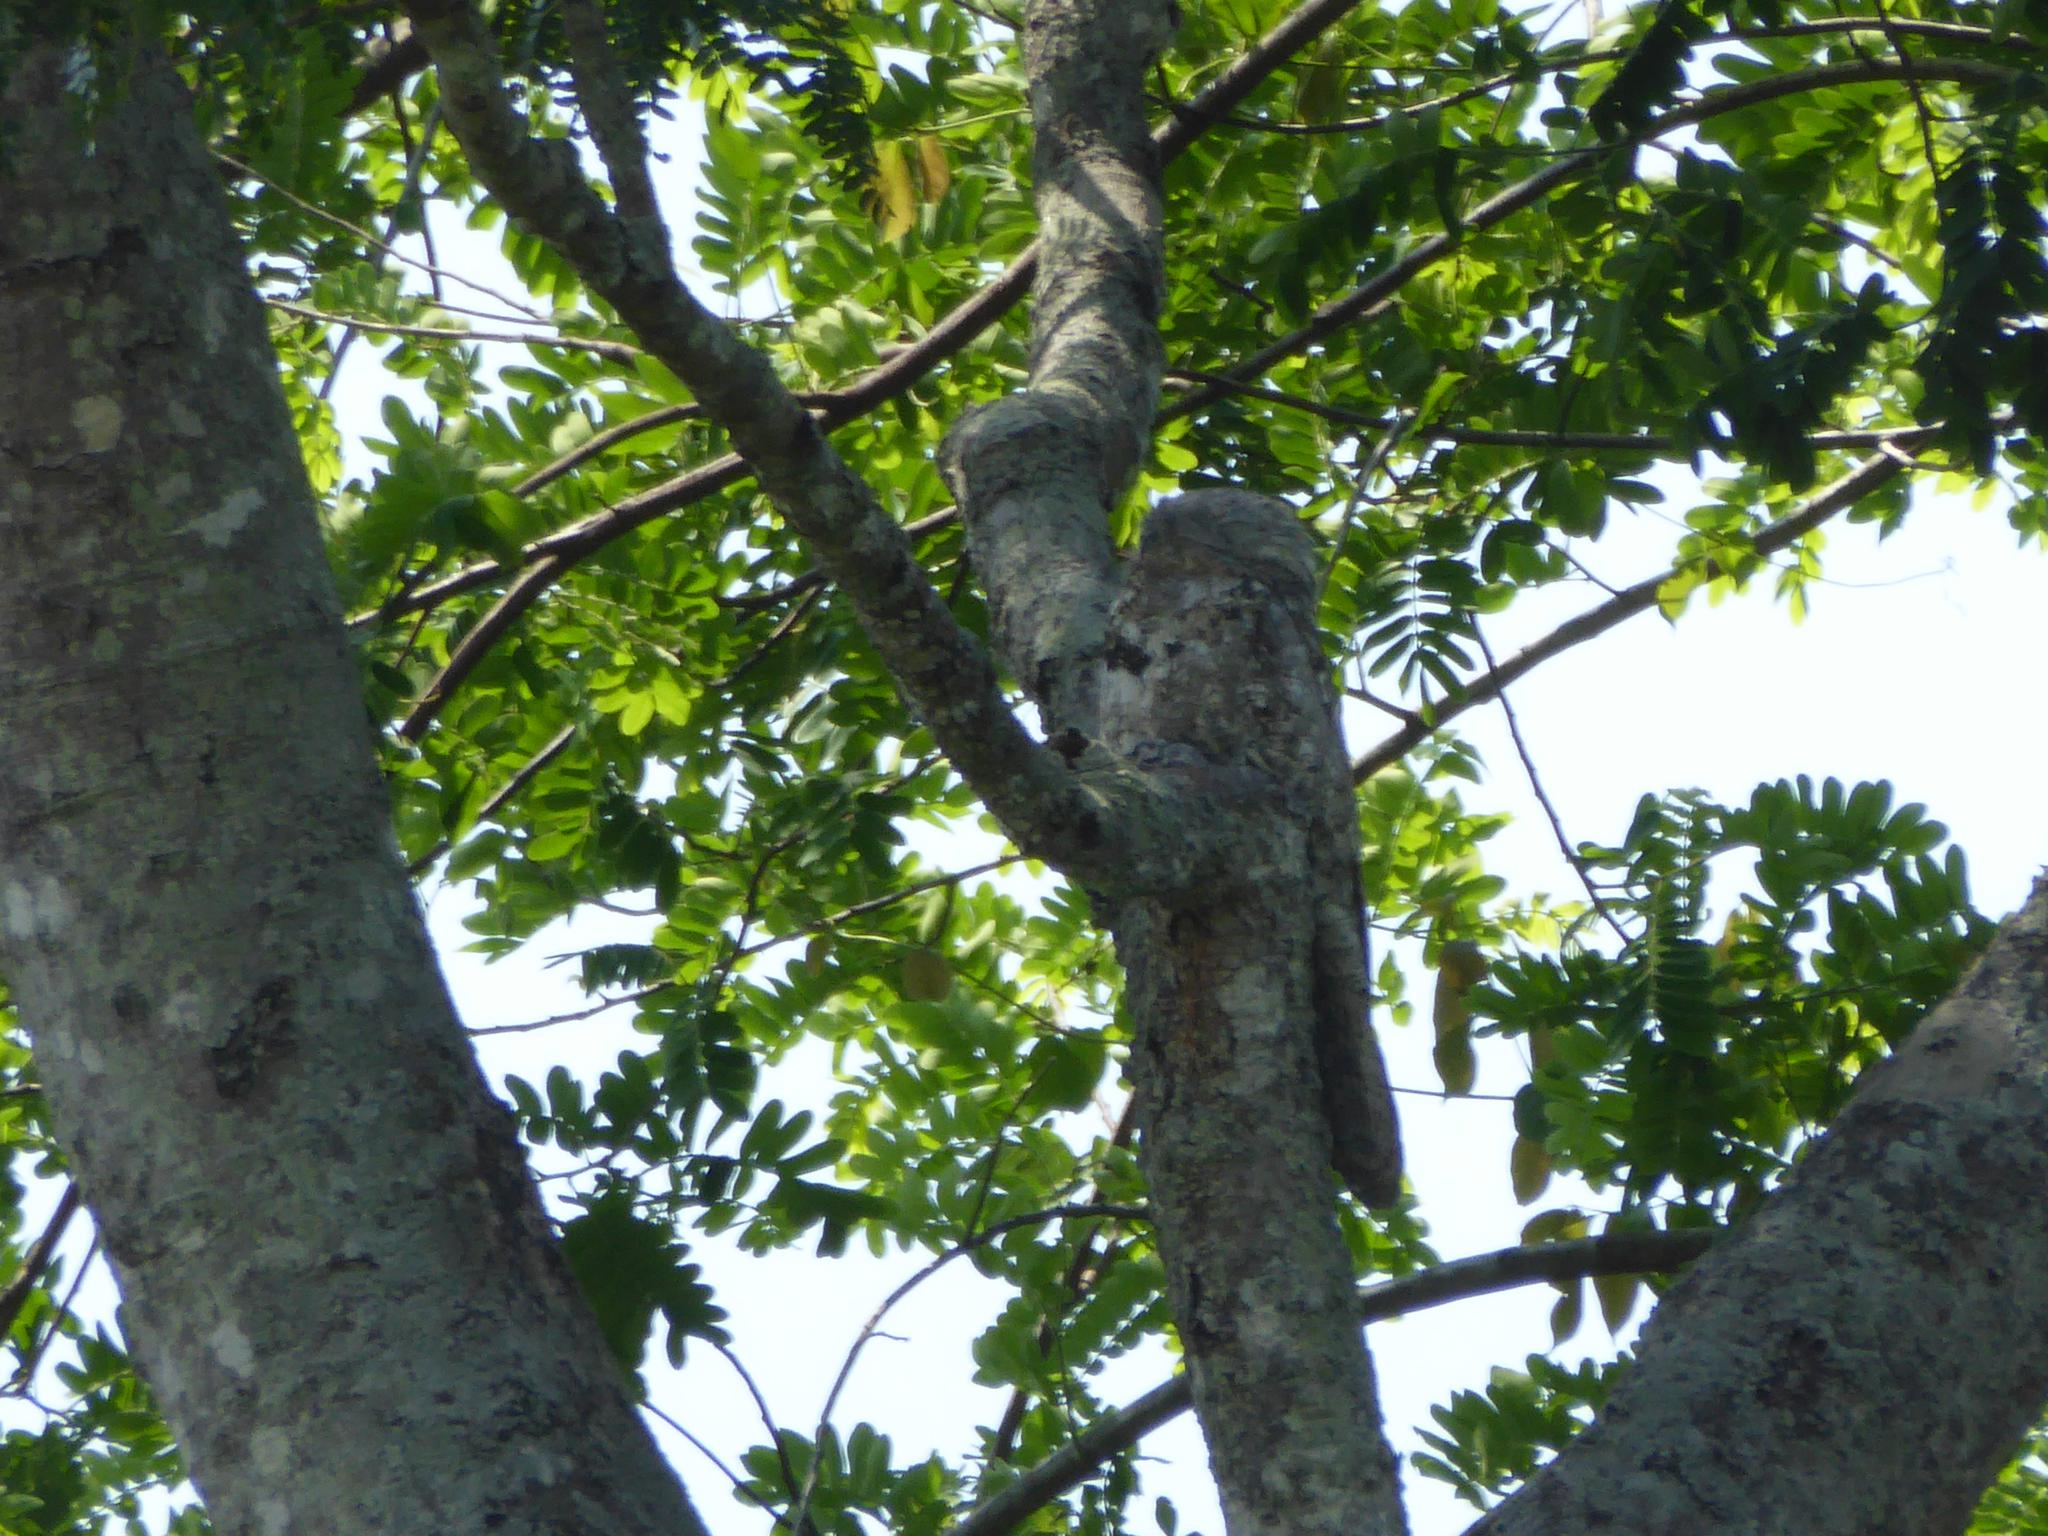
x=613 y=117
x=388 y=62
x=317 y=1212
x=1037 y=473
x=1617 y=1253
x=1870 y=475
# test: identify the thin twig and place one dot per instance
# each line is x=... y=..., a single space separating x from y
x=475 y=645
x=868 y=1329
x=371 y=241
x=23 y=1381
x=415 y=165
x=616 y=351
x=878 y=903
x=1081 y=1271
x=512 y=786
x=1538 y=438
x=1535 y=71
x=784 y=627
x=789 y=1482
x=1894 y=36
x=739 y=1483
x=1872 y=474
x=1564 y=843
x=573 y=1016
x=14 y=1295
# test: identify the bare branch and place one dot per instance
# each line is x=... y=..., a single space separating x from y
x=1081 y=1271
x=1194 y=118
x=1564 y=843
x=616 y=351
x=1616 y=1253
x=36 y=1261
x=1577 y=59
x=1866 y=477
x=789 y=1479
x=476 y=644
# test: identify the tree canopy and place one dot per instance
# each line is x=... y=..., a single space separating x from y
x=1460 y=284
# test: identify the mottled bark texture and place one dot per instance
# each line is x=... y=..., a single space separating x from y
x=335 y=1273
x=1862 y=1355
x=1202 y=669
x=1215 y=667
x=1253 y=1064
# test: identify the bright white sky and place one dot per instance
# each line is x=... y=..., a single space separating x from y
x=1920 y=664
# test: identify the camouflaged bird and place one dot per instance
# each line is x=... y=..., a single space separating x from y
x=1215 y=662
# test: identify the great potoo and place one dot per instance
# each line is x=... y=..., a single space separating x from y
x=1215 y=673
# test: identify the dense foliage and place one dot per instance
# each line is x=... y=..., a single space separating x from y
x=1457 y=283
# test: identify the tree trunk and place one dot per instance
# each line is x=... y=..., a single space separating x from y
x=1252 y=1065
x=336 y=1275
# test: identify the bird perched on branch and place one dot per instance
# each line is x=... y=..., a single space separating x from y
x=1214 y=657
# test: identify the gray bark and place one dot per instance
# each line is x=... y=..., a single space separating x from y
x=336 y=1275
x=1865 y=1352
x=1214 y=664
x=1202 y=669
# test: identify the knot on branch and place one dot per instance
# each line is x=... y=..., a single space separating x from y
x=1019 y=445
x=1214 y=661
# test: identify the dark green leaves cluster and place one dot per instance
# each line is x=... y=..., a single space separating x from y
x=1988 y=346
x=1690 y=1065
x=803 y=50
